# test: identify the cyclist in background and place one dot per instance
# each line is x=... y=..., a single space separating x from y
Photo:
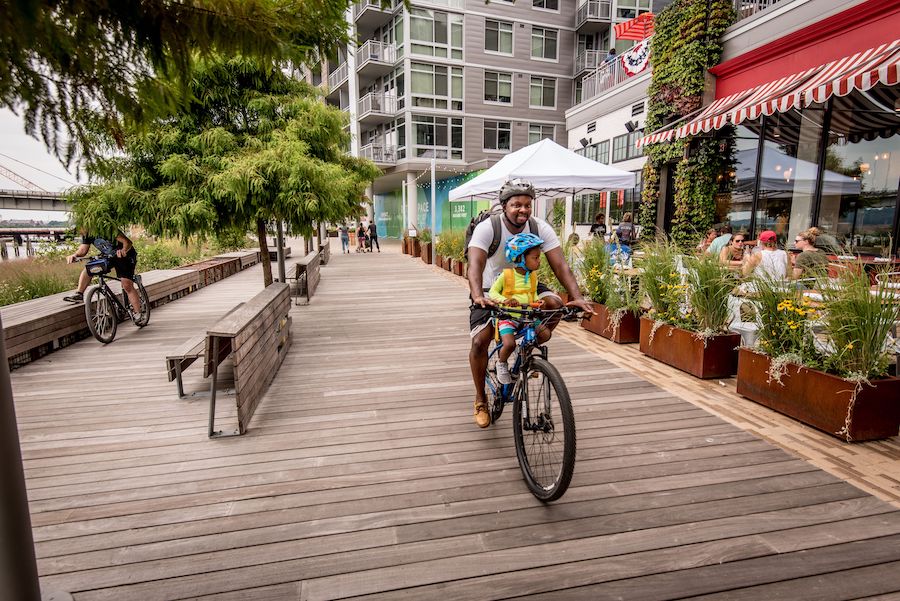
x=516 y=199
x=122 y=256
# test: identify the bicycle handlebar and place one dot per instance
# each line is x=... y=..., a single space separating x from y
x=565 y=313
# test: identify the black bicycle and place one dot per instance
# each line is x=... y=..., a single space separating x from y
x=102 y=307
x=543 y=420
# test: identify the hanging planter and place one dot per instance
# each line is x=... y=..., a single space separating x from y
x=850 y=411
x=624 y=328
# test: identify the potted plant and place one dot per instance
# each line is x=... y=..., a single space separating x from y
x=424 y=240
x=613 y=293
x=455 y=251
x=687 y=324
x=825 y=362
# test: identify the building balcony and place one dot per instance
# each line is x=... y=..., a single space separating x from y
x=375 y=108
x=380 y=154
x=337 y=80
x=593 y=15
x=604 y=78
x=374 y=59
x=369 y=15
x=748 y=8
x=588 y=60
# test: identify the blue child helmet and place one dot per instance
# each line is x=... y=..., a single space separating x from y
x=518 y=245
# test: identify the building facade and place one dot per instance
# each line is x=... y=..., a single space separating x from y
x=464 y=82
x=811 y=89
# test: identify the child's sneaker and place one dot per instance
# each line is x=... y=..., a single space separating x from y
x=503 y=373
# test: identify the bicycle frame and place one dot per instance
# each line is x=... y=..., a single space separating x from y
x=526 y=343
x=121 y=310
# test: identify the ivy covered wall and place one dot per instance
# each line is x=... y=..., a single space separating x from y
x=686 y=42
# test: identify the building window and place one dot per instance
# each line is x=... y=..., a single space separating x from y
x=546 y=4
x=498 y=36
x=497 y=87
x=629 y=9
x=598 y=152
x=438 y=137
x=436 y=33
x=542 y=92
x=623 y=147
x=537 y=132
x=543 y=43
x=497 y=135
x=437 y=86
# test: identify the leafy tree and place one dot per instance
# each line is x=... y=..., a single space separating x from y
x=254 y=145
x=87 y=66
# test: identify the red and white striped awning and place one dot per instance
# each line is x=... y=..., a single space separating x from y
x=861 y=71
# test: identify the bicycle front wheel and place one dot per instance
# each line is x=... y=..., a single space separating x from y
x=544 y=430
x=143 y=318
x=100 y=313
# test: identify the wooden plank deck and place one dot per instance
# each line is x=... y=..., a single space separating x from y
x=362 y=474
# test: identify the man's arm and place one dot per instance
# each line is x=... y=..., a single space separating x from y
x=82 y=251
x=126 y=245
x=477 y=261
x=557 y=261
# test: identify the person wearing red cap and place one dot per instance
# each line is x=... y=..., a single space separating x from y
x=770 y=261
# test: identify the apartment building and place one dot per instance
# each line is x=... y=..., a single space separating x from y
x=464 y=82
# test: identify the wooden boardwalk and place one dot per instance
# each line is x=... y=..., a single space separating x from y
x=363 y=474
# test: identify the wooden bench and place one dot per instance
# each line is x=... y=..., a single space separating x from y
x=185 y=355
x=247 y=257
x=325 y=252
x=306 y=276
x=257 y=336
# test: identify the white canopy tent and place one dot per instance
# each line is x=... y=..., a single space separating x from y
x=553 y=171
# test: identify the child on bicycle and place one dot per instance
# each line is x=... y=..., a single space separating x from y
x=514 y=288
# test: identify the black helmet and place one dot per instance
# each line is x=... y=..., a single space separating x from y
x=515 y=187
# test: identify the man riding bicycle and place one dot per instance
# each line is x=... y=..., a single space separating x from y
x=122 y=256
x=516 y=198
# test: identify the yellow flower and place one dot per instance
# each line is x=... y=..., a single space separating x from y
x=849 y=346
x=794 y=327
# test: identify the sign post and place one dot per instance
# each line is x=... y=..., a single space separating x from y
x=433 y=215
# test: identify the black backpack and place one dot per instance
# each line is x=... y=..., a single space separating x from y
x=495 y=216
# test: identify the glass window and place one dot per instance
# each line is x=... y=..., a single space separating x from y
x=498 y=36
x=543 y=43
x=598 y=152
x=542 y=92
x=736 y=208
x=436 y=86
x=862 y=171
x=436 y=33
x=437 y=137
x=497 y=135
x=537 y=132
x=546 y=4
x=623 y=147
x=629 y=9
x=787 y=181
x=585 y=208
x=624 y=201
x=497 y=87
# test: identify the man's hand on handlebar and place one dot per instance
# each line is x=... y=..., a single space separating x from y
x=72 y=258
x=484 y=302
x=581 y=304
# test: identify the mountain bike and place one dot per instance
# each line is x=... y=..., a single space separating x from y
x=102 y=308
x=543 y=420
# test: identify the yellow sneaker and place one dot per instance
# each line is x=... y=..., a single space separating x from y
x=482 y=415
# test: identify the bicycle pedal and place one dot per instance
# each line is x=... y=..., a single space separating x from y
x=535 y=375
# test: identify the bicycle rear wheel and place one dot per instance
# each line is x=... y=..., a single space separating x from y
x=143 y=318
x=544 y=430
x=101 y=314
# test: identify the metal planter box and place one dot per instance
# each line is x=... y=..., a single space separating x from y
x=822 y=400
x=715 y=357
x=629 y=329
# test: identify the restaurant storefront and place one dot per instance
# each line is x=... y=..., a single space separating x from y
x=819 y=145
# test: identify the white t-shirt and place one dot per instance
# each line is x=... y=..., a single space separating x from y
x=484 y=235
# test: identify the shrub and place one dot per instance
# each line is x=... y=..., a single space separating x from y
x=710 y=283
x=425 y=236
x=452 y=244
x=27 y=279
x=594 y=271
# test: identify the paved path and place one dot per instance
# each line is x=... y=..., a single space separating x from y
x=363 y=474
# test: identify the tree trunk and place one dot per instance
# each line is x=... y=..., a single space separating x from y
x=264 y=250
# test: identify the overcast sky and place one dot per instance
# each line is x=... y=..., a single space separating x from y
x=28 y=158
